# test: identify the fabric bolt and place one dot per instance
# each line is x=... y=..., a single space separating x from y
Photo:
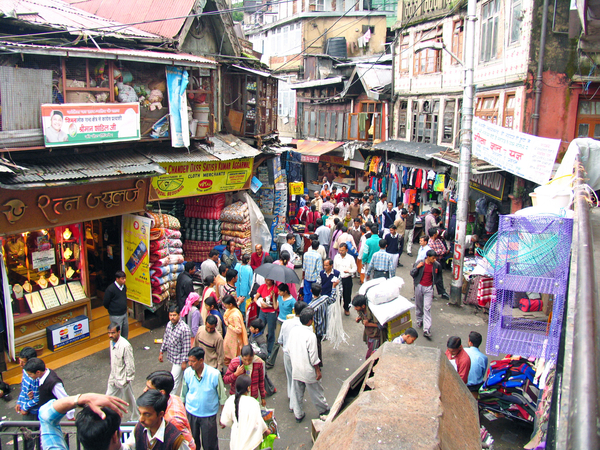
x=486 y=292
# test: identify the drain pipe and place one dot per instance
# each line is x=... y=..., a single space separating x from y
x=540 y=71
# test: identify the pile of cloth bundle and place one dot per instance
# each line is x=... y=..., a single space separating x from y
x=166 y=255
x=235 y=226
x=510 y=389
x=201 y=225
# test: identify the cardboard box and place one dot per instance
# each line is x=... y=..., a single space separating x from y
x=397 y=326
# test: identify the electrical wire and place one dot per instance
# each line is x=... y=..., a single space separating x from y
x=109 y=28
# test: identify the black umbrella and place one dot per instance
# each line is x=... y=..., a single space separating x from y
x=277 y=272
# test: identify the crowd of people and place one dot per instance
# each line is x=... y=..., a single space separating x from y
x=230 y=334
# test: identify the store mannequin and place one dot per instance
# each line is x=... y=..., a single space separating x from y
x=27 y=286
x=53 y=280
x=18 y=291
x=42 y=282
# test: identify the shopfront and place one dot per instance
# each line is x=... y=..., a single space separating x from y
x=50 y=241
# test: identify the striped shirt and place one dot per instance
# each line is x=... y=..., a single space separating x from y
x=312 y=265
x=321 y=305
x=176 y=342
x=28 y=384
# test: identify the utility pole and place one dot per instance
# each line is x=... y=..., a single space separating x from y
x=464 y=168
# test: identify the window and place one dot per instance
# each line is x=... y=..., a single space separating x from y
x=368 y=123
x=428 y=60
x=457 y=40
x=509 y=111
x=516 y=18
x=425 y=122
x=365 y=28
x=404 y=55
x=402 y=117
x=588 y=119
x=449 y=114
x=489 y=30
x=487 y=108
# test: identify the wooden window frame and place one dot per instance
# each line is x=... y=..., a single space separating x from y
x=484 y=112
x=490 y=18
x=508 y=118
x=458 y=38
x=428 y=60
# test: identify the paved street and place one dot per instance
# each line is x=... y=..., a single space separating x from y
x=91 y=373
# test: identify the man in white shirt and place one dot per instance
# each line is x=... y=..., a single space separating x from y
x=153 y=429
x=346 y=265
x=289 y=246
x=423 y=249
x=283 y=341
x=210 y=267
x=122 y=369
x=343 y=207
x=305 y=366
x=379 y=209
x=324 y=234
x=317 y=201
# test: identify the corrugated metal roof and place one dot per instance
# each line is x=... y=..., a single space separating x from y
x=315 y=148
x=61 y=15
x=315 y=83
x=260 y=73
x=115 y=53
x=227 y=146
x=374 y=78
x=149 y=11
x=414 y=149
x=61 y=168
x=174 y=155
x=452 y=158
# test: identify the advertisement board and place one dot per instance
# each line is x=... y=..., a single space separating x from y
x=136 y=259
x=521 y=154
x=62 y=335
x=90 y=123
x=188 y=179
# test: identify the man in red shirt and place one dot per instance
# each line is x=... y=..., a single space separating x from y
x=459 y=359
x=257 y=258
x=425 y=274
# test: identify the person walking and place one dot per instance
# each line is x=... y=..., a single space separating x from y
x=176 y=344
x=425 y=274
x=410 y=229
x=162 y=381
x=423 y=248
x=242 y=413
x=283 y=341
x=371 y=246
x=243 y=285
x=122 y=369
x=312 y=266
x=306 y=373
x=115 y=301
x=153 y=431
x=388 y=217
x=248 y=364
x=382 y=263
x=203 y=392
x=191 y=314
x=236 y=336
x=437 y=245
x=329 y=278
x=266 y=299
x=212 y=342
x=345 y=264
x=320 y=306
x=394 y=239
x=185 y=285
x=51 y=387
x=29 y=397
x=284 y=260
x=324 y=234
x=374 y=335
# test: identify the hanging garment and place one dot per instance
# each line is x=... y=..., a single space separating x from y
x=362 y=122
x=439 y=183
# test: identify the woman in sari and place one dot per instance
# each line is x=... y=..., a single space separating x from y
x=334 y=236
x=236 y=336
x=209 y=291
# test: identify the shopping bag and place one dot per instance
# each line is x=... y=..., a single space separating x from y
x=267 y=443
x=268 y=416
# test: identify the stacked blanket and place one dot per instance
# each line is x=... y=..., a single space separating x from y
x=166 y=255
x=201 y=225
x=235 y=226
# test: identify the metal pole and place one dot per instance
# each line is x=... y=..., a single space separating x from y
x=464 y=168
x=540 y=71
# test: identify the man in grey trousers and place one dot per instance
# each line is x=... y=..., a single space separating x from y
x=115 y=300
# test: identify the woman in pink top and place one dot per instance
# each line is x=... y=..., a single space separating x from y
x=284 y=260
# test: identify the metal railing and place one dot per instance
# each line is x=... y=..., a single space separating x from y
x=15 y=434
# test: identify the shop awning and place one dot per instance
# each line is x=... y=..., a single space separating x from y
x=312 y=150
x=73 y=169
x=227 y=146
x=414 y=149
x=452 y=158
x=317 y=83
x=260 y=73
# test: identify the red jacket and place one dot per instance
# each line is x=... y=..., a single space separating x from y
x=463 y=363
x=256 y=261
x=258 y=376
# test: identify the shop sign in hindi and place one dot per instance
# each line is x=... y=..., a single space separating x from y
x=189 y=179
x=521 y=154
x=90 y=123
x=136 y=259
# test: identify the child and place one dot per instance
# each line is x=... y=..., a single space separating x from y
x=211 y=308
x=258 y=340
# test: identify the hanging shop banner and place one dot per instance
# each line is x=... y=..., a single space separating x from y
x=135 y=251
x=521 y=154
x=177 y=81
x=491 y=184
x=90 y=123
x=333 y=159
x=297 y=188
x=189 y=179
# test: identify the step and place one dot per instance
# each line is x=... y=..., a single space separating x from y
x=98 y=341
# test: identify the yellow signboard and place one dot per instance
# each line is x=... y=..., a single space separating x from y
x=188 y=179
x=136 y=259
